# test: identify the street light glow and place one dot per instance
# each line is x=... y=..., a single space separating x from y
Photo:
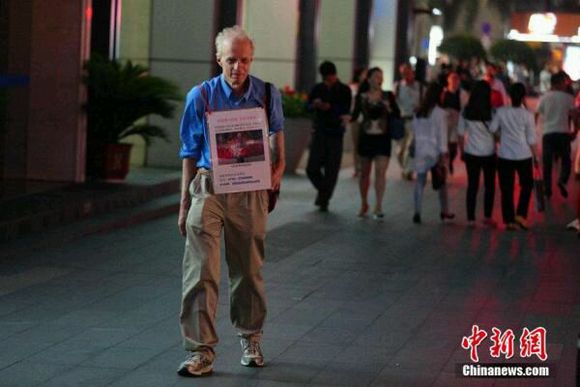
x=436 y=12
x=435 y=39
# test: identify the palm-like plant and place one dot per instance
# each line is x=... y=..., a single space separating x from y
x=119 y=95
x=517 y=52
x=463 y=47
x=452 y=10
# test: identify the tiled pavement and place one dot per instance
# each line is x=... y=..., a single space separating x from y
x=351 y=302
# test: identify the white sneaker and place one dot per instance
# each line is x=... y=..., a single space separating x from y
x=251 y=352
x=196 y=364
x=574 y=225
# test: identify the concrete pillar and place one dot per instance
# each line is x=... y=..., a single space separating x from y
x=105 y=28
x=135 y=32
x=180 y=50
x=404 y=34
x=382 y=38
x=226 y=15
x=421 y=26
x=361 y=33
x=336 y=35
x=135 y=45
x=306 y=58
x=49 y=42
x=273 y=24
x=15 y=22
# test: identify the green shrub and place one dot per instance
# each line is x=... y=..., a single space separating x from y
x=462 y=47
x=512 y=50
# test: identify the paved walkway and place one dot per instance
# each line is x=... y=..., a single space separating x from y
x=351 y=302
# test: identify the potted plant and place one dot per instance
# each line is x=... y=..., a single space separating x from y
x=120 y=96
x=297 y=126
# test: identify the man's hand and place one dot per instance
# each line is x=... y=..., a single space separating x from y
x=188 y=170
x=318 y=104
x=345 y=118
x=278 y=159
x=183 y=210
x=277 y=177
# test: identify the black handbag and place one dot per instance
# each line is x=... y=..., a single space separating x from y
x=438 y=176
x=272 y=194
x=396 y=127
x=272 y=199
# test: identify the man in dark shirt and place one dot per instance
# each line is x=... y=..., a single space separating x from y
x=330 y=101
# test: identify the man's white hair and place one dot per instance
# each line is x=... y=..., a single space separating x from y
x=231 y=34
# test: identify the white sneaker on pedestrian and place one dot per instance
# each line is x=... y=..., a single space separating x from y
x=574 y=225
x=251 y=352
x=196 y=364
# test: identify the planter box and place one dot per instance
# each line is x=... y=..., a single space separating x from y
x=116 y=165
x=297 y=138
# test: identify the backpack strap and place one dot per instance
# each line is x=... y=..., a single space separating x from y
x=267 y=98
x=203 y=92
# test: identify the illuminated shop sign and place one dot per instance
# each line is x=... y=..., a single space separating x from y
x=545 y=27
x=542 y=23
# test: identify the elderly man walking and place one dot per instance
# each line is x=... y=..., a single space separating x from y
x=241 y=216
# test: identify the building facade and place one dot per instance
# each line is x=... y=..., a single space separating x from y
x=47 y=42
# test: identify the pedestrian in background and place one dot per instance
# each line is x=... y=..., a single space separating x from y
x=577 y=168
x=374 y=144
x=241 y=216
x=358 y=79
x=330 y=100
x=545 y=77
x=555 y=109
x=477 y=148
x=452 y=100
x=430 y=148
x=408 y=92
x=516 y=155
x=575 y=224
x=499 y=95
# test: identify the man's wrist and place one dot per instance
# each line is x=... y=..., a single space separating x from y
x=279 y=164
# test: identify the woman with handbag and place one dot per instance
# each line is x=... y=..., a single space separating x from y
x=430 y=144
x=477 y=148
x=374 y=142
x=516 y=155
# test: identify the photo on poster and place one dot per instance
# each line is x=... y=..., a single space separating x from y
x=240 y=147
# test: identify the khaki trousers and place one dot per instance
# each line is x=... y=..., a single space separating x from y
x=242 y=216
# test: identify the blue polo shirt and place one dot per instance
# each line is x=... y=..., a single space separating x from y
x=220 y=96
